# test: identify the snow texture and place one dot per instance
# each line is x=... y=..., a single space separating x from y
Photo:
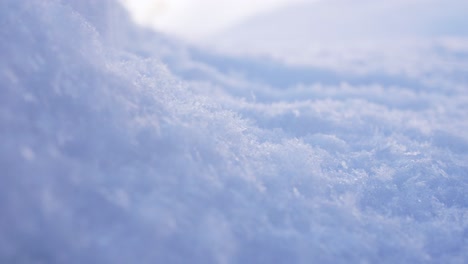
x=121 y=145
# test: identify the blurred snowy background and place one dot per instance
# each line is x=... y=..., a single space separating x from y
x=325 y=131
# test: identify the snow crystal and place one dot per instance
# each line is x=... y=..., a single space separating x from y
x=121 y=145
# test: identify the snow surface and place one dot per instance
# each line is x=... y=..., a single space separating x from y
x=121 y=145
x=333 y=33
x=198 y=19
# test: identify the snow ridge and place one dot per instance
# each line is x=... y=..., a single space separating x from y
x=115 y=150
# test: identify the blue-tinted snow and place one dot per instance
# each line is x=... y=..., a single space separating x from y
x=120 y=145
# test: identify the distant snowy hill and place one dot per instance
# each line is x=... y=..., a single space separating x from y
x=307 y=32
x=122 y=145
x=342 y=19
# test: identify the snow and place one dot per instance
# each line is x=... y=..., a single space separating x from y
x=199 y=19
x=123 y=145
x=337 y=33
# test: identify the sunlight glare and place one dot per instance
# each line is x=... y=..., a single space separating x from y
x=197 y=19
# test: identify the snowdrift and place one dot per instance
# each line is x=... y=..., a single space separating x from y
x=120 y=145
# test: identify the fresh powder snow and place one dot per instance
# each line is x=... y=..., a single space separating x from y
x=120 y=144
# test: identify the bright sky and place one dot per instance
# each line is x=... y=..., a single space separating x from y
x=196 y=19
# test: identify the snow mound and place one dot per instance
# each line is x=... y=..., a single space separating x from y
x=121 y=145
